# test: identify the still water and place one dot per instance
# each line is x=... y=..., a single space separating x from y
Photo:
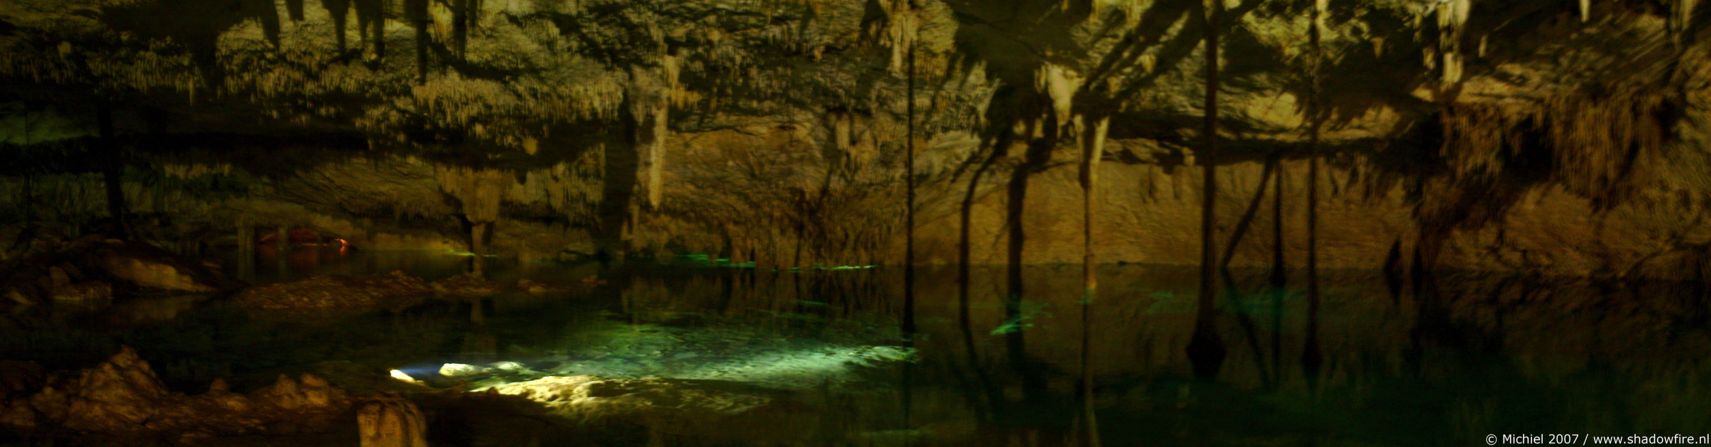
x=1439 y=363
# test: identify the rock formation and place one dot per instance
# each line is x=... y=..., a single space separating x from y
x=391 y=421
x=328 y=296
x=1565 y=137
x=123 y=397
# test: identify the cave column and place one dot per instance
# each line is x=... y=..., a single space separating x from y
x=479 y=192
x=652 y=110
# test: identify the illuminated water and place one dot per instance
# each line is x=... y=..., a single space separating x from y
x=1400 y=367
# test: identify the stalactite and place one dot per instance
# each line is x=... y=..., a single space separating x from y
x=651 y=107
x=268 y=14
x=1585 y=11
x=479 y=192
x=1205 y=348
x=1680 y=19
x=1093 y=150
x=1452 y=19
x=1311 y=356
x=371 y=22
x=897 y=30
x=380 y=29
x=909 y=200
x=463 y=14
x=1601 y=147
x=1060 y=84
x=416 y=11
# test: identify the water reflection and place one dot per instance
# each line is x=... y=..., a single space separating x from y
x=1442 y=361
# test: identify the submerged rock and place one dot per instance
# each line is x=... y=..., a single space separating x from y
x=701 y=409
x=460 y=370
x=335 y=295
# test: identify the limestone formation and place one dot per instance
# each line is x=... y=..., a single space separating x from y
x=123 y=396
x=391 y=421
x=330 y=296
x=772 y=132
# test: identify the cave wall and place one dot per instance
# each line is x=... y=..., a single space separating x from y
x=1490 y=135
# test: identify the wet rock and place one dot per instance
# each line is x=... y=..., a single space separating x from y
x=18 y=298
x=95 y=272
x=465 y=287
x=335 y=295
x=17 y=378
x=123 y=396
x=117 y=395
x=91 y=293
x=307 y=392
x=696 y=408
x=151 y=268
x=391 y=421
x=460 y=370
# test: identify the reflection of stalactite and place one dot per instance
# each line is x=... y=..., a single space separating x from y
x=464 y=15
x=294 y=8
x=268 y=15
x=339 y=10
x=371 y=24
x=416 y=11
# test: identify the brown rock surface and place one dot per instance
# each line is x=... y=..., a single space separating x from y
x=335 y=295
x=123 y=395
